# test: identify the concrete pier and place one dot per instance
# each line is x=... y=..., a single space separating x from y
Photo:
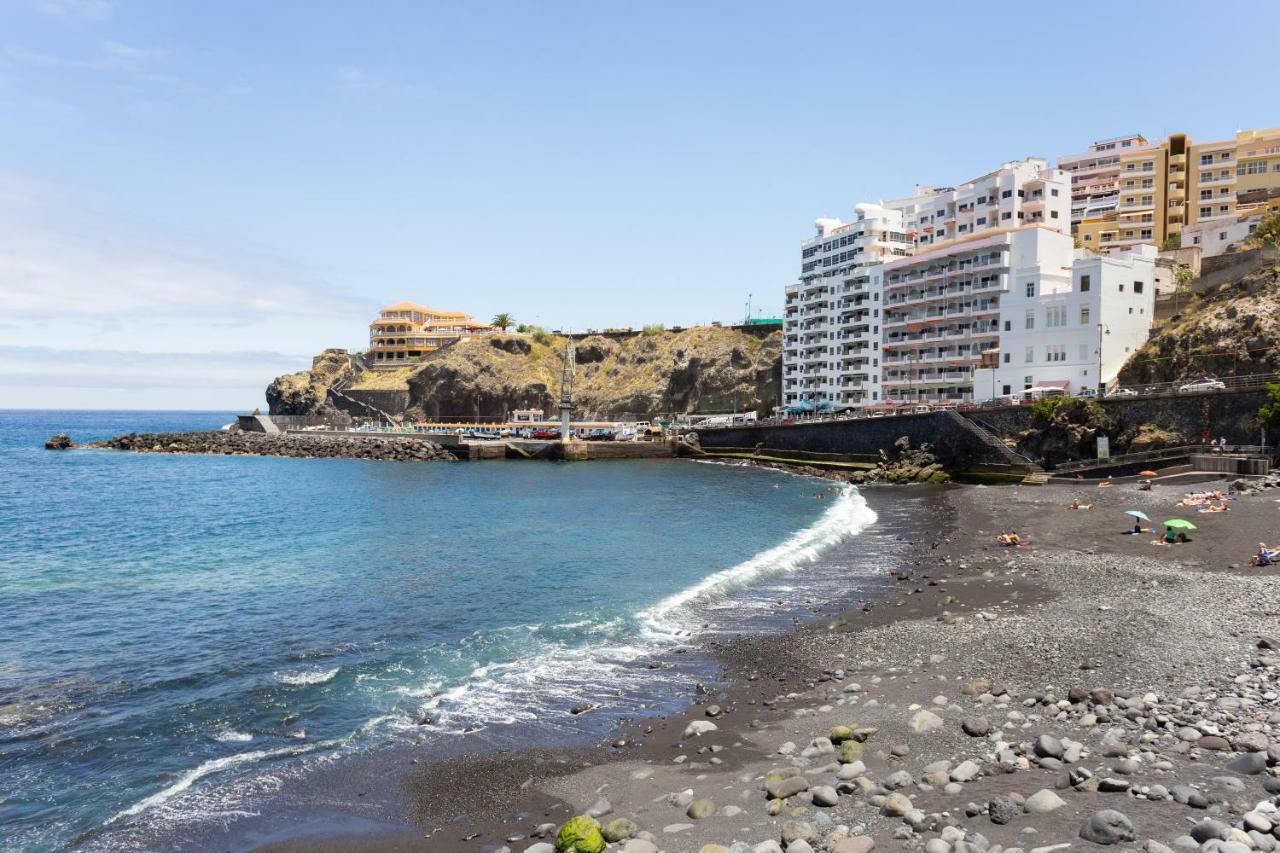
x=522 y=448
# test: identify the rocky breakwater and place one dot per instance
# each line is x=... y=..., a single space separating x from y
x=295 y=445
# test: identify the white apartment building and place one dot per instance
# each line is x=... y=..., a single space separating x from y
x=1095 y=178
x=831 y=325
x=1215 y=236
x=917 y=321
x=1064 y=326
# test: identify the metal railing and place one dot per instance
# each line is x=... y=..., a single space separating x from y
x=1163 y=454
x=1247 y=382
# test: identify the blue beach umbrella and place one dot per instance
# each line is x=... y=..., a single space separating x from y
x=1137 y=513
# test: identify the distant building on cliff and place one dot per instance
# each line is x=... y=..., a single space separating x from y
x=405 y=332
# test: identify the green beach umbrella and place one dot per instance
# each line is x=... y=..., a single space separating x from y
x=1180 y=522
x=1137 y=513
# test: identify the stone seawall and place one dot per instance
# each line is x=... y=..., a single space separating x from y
x=859 y=440
x=1233 y=414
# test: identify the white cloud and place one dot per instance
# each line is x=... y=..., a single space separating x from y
x=353 y=80
x=74 y=10
x=65 y=258
x=111 y=56
x=44 y=377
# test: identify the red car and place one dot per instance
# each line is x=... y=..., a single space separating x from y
x=546 y=434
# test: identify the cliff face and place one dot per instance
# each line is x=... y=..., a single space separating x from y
x=1231 y=330
x=305 y=392
x=701 y=369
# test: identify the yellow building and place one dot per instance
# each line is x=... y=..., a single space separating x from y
x=405 y=332
x=1163 y=186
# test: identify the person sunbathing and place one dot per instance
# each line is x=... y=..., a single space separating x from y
x=1075 y=504
x=1221 y=507
x=1008 y=539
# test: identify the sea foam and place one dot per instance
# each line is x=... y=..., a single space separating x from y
x=847 y=516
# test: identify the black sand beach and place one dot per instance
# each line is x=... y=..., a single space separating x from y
x=1096 y=639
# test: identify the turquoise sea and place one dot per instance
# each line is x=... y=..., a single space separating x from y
x=185 y=636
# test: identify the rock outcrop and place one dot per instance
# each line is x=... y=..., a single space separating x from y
x=701 y=369
x=1065 y=429
x=61 y=441
x=1231 y=330
x=307 y=391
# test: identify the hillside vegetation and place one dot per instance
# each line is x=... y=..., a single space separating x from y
x=1233 y=329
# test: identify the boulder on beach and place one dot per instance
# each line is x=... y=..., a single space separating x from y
x=581 y=835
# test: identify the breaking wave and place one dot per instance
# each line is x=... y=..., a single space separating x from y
x=848 y=515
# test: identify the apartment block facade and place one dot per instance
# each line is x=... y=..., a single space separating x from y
x=1163 y=187
x=945 y=294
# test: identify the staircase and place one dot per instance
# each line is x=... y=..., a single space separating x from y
x=338 y=387
x=1040 y=479
x=995 y=442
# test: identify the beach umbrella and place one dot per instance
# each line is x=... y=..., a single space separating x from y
x=1137 y=513
x=1180 y=522
x=1147 y=474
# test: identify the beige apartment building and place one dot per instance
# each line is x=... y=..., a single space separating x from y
x=1128 y=191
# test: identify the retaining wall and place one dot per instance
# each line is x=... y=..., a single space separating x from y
x=859 y=440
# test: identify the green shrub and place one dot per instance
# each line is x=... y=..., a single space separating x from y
x=654 y=329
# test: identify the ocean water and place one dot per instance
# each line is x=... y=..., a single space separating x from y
x=183 y=635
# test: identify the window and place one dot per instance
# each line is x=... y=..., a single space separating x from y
x=1055 y=316
x=1206 y=211
x=1006 y=194
x=1006 y=215
x=1053 y=192
x=1055 y=352
x=1031 y=289
x=1006 y=358
x=1137 y=287
x=1006 y=390
x=1030 y=355
x=1008 y=325
x=982 y=220
x=1084 y=315
x=1084 y=352
x=1206 y=159
x=1053 y=214
x=1088 y=238
x=1031 y=319
x=1122 y=288
x=1084 y=284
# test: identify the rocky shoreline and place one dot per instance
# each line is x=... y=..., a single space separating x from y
x=1089 y=690
x=293 y=445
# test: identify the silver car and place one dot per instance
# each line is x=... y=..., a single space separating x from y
x=1200 y=385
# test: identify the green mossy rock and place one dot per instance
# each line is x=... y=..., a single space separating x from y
x=939 y=477
x=580 y=835
x=850 y=751
x=840 y=734
x=619 y=829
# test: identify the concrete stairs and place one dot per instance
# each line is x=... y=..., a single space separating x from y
x=995 y=442
x=338 y=387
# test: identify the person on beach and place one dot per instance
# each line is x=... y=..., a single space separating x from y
x=1009 y=539
x=1263 y=557
x=1137 y=528
x=1075 y=504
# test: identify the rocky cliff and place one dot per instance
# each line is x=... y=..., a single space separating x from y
x=306 y=392
x=701 y=369
x=1232 y=329
x=704 y=369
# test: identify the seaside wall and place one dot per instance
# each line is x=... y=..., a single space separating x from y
x=1233 y=414
x=859 y=441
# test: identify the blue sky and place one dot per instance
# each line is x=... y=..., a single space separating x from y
x=243 y=183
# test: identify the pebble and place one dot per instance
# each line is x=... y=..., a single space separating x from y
x=1107 y=827
x=698 y=728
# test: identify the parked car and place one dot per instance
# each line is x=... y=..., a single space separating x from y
x=1087 y=393
x=599 y=435
x=546 y=434
x=1122 y=392
x=1201 y=385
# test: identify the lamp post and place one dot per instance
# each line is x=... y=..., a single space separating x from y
x=1102 y=388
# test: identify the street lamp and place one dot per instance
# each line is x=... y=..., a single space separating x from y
x=1101 y=384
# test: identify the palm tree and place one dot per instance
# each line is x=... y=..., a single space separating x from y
x=503 y=321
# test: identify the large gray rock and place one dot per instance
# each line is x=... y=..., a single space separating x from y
x=1249 y=764
x=699 y=809
x=1043 y=801
x=1002 y=810
x=857 y=844
x=1048 y=746
x=619 y=829
x=1207 y=830
x=780 y=789
x=798 y=830
x=976 y=726
x=965 y=771
x=1107 y=827
x=825 y=795
x=698 y=728
x=925 y=721
x=895 y=805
